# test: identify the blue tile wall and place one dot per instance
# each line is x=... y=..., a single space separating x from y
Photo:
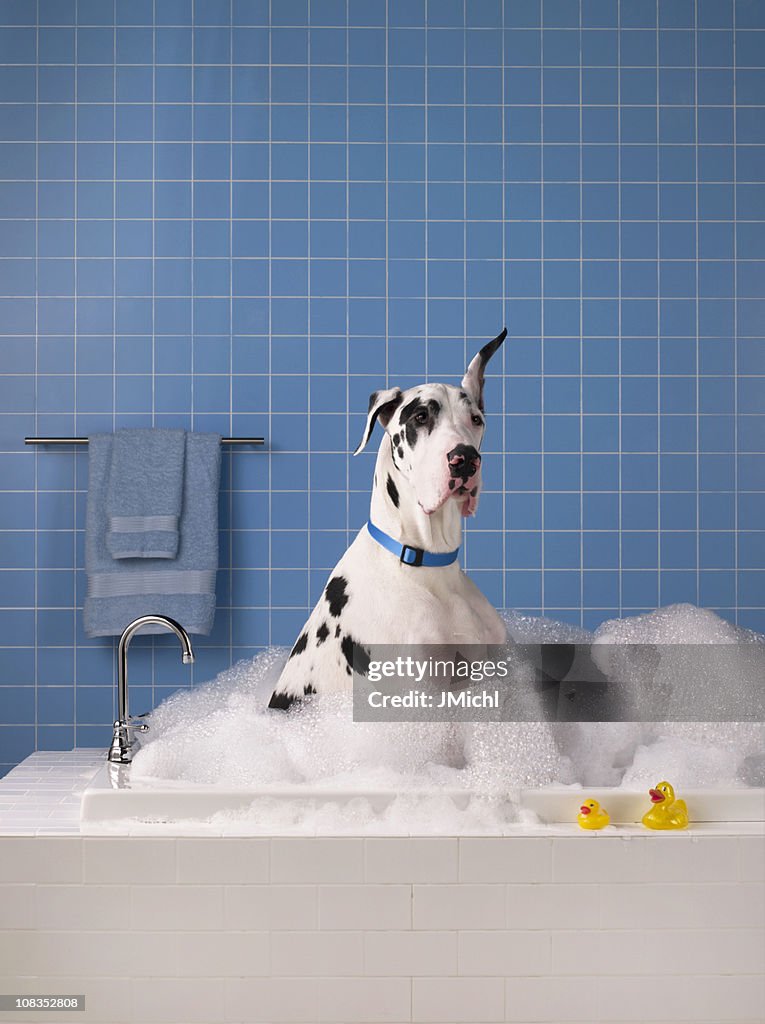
x=243 y=216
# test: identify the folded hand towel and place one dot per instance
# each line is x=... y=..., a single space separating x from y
x=144 y=493
x=121 y=590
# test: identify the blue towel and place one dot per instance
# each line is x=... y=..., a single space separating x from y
x=144 y=493
x=121 y=590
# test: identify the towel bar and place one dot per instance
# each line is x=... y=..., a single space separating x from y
x=84 y=440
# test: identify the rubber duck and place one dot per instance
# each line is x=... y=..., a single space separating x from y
x=667 y=812
x=592 y=816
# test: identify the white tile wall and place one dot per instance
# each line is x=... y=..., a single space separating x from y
x=363 y=931
x=411 y=953
x=271 y=999
x=236 y=860
x=751 y=859
x=682 y=905
x=458 y=906
x=330 y=860
x=15 y=903
x=23 y=859
x=411 y=860
x=202 y=999
x=176 y=908
x=227 y=954
x=316 y=954
x=272 y=907
x=515 y=859
x=504 y=953
x=363 y=999
x=458 y=999
x=113 y=860
x=368 y=906
x=532 y=907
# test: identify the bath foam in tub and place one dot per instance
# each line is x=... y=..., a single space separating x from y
x=699 y=651
x=221 y=733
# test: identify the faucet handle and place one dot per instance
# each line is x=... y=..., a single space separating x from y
x=134 y=723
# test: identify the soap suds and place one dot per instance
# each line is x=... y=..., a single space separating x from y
x=221 y=733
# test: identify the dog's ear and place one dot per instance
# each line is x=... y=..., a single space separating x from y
x=382 y=405
x=472 y=382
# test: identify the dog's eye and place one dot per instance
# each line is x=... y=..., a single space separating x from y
x=477 y=420
x=421 y=416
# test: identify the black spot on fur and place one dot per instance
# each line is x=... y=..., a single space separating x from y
x=337 y=630
x=410 y=430
x=322 y=633
x=308 y=690
x=281 y=701
x=300 y=645
x=400 y=453
x=355 y=655
x=372 y=400
x=474 y=492
x=451 y=485
x=396 y=439
x=336 y=595
x=408 y=410
x=392 y=491
x=409 y=422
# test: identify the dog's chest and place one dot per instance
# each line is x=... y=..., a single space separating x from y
x=400 y=604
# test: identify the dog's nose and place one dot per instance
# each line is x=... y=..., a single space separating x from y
x=464 y=461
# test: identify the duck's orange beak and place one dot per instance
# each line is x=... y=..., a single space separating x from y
x=656 y=795
x=584 y=810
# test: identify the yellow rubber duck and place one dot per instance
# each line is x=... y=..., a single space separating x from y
x=667 y=812
x=592 y=816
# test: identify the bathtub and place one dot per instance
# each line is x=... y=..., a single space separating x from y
x=160 y=919
x=112 y=800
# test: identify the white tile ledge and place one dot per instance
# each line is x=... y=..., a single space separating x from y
x=41 y=797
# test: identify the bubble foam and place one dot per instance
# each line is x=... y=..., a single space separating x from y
x=222 y=733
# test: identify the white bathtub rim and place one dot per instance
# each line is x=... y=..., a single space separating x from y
x=182 y=807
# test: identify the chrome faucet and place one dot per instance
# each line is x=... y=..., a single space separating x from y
x=123 y=745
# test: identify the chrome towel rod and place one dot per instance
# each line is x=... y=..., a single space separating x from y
x=84 y=440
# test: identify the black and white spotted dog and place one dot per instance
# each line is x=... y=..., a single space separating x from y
x=400 y=582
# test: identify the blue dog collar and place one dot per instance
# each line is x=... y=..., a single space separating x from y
x=409 y=555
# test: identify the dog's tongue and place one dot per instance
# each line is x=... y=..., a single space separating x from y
x=470 y=503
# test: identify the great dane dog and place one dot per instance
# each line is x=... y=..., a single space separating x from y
x=399 y=582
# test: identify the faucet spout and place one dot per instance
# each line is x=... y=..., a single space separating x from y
x=123 y=744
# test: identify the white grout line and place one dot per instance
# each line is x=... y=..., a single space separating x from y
x=582 y=564
x=270 y=322
x=308 y=332
x=542 y=302
x=658 y=325
x=736 y=567
x=506 y=594
x=696 y=306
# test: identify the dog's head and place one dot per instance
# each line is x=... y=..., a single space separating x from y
x=435 y=433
